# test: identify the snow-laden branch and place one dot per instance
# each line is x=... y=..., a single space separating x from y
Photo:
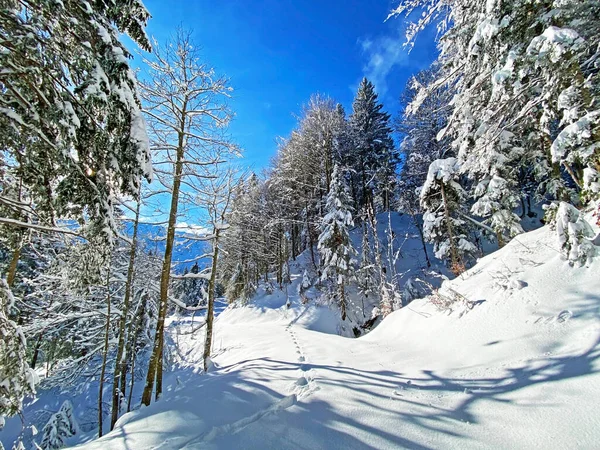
x=19 y=224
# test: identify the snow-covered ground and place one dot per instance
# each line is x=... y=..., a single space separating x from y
x=515 y=364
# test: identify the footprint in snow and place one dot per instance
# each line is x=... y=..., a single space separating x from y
x=302 y=381
x=563 y=316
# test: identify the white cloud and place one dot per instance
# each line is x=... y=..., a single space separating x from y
x=382 y=55
x=196 y=230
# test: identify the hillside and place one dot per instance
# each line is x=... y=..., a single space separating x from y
x=512 y=363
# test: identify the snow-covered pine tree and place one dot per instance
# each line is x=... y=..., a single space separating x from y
x=61 y=426
x=71 y=124
x=334 y=241
x=306 y=283
x=72 y=136
x=374 y=158
x=190 y=290
x=526 y=85
x=575 y=234
x=365 y=275
x=285 y=276
x=442 y=199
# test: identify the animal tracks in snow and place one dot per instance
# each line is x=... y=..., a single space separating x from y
x=305 y=385
x=561 y=317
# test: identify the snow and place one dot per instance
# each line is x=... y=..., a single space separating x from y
x=505 y=365
x=574 y=136
x=485 y=31
x=441 y=169
x=555 y=42
x=591 y=180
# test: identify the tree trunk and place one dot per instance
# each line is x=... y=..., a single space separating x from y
x=376 y=248
x=210 y=313
x=293 y=241
x=156 y=360
x=500 y=239
x=574 y=177
x=132 y=337
x=354 y=196
x=131 y=386
x=104 y=354
x=420 y=230
x=14 y=262
x=310 y=239
x=454 y=258
x=279 y=261
x=523 y=208
x=120 y=362
x=36 y=350
x=342 y=301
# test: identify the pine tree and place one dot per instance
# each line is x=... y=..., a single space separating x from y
x=526 y=96
x=420 y=146
x=334 y=241
x=374 y=158
x=366 y=271
x=62 y=425
x=442 y=198
x=71 y=124
x=306 y=283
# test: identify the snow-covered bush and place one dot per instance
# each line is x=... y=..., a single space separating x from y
x=574 y=233
x=61 y=426
x=449 y=301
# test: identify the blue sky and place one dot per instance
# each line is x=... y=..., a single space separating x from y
x=279 y=52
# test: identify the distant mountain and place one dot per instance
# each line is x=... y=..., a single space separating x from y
x=153 y=238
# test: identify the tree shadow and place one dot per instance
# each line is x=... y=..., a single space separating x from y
x=349 y=408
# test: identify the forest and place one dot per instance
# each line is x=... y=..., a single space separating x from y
x=127 y=208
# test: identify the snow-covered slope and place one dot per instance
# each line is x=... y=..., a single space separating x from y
x=514 y=365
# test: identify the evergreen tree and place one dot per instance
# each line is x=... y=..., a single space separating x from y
x=306 y=283
x=442 y=198
x=70 y=120
x=526 y=96
x=420 y=146
x=334 y=241
x=373 y=158
x=62 y=425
